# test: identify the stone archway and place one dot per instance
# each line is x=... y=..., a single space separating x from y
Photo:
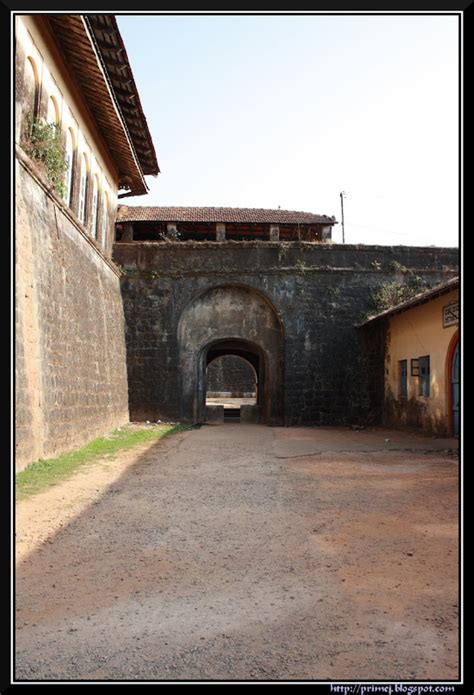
x=233 y=319
x=256 y=360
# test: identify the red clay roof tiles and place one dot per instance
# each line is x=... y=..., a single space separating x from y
x=204 y=214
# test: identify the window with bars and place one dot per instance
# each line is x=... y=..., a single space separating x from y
x=95 y=208
x=402 y=379
x=81 y=212
x=53 y=111
x=424 y=375
x=104 y=220
x=32 y=86
x=69 y=167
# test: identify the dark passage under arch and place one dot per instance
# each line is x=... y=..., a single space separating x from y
x=233 y=376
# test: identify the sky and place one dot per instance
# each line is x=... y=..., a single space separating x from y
x=290 y=111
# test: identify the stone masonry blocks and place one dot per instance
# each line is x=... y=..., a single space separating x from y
x=332 y=373
x=71 y=370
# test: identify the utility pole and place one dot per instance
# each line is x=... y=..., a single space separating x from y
x=342 y=194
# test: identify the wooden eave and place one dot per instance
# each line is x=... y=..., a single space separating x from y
x=114 y=54
x=77 y=44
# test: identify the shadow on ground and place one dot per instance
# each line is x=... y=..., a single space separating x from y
x=235 y=553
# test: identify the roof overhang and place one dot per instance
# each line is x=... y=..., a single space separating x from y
x=76 y=38
x=114 y=55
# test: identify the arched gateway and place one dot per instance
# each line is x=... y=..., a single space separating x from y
x=231 y=320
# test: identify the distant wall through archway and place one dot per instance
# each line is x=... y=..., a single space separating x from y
x=231 y=375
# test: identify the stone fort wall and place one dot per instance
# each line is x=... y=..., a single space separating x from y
x=333 y=372
x=230 y=374
x=71 y=379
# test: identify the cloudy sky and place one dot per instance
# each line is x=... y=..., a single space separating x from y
x=268 y=111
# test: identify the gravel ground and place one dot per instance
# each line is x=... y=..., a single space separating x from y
x=242 y=552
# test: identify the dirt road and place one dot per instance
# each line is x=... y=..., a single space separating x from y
x=245 y=552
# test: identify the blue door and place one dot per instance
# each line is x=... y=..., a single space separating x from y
x=455 y=391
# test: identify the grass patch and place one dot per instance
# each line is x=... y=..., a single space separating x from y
x=46 y=472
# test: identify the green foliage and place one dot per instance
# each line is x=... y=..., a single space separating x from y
x=40 y=475
x=42 y=142
x=397 y=267
x=282 y=250
x=301 y=266
x=392 y=293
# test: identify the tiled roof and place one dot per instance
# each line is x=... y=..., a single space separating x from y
x=242 y=215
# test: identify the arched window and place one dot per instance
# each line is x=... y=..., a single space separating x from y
x=81 y=208
x=95 y=207
x=103 y=230
x=53 y=111
x=31 y=87
x=70 y=147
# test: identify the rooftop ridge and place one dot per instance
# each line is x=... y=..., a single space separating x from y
x=141 y=213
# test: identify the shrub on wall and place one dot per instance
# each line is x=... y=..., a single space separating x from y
x=392 y=293
x=42 y=142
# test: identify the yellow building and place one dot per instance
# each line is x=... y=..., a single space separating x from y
x=421 y=370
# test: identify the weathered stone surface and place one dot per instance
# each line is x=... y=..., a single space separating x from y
x=215 y=414
x=232 y=375
x=332 y=374
x=250 y=414
x=71 y=380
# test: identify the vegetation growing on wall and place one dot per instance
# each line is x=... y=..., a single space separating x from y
x=42 y=142
x=394 y=292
